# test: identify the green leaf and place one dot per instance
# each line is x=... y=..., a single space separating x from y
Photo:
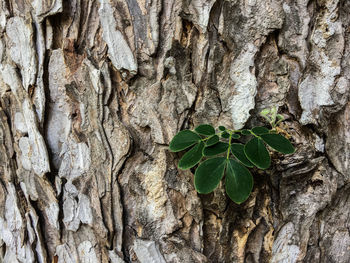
x=278 y=142
x=236 y=136
x=183 y=140
x=273 y=111
x=237 y=150
x=260 y=130
x=192 y=157
x=280 y=117
x=212 y=140
x=239 y=181
x=209 y=174
x=218 y=148
x=205 y=129
x=257 y=153
x=245 y=132
x=225 y=135
x=222 y=128
x=265 y=112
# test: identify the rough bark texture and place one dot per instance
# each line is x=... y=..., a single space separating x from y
x=92 y=91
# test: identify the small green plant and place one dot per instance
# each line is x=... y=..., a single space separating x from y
x=220 y=153
x=272 y=117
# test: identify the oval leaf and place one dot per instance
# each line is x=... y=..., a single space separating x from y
x=257 y=153
x=239 y=181
x=260 y=130
x=245 y=132
x=225 y=135
x=209 y=174
x=222 y=128
x=205 y=129
x=236 y=136
x=183 y=140
x=237 y=150
x=218 y=148
x=212 y=140
x=192 y=157
x=278 y=142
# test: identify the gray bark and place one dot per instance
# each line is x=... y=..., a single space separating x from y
x=91 y=93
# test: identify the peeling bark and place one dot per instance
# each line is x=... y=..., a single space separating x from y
x=91 y=93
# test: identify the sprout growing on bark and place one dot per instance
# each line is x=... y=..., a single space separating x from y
x=219 y=153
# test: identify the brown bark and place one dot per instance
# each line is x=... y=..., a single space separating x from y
x=91 y=93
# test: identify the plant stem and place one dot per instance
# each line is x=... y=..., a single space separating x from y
x=218 y=134
x=229 y=146
x=254 y=134
x=234 y=131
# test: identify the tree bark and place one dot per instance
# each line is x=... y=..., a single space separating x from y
x=91 y=93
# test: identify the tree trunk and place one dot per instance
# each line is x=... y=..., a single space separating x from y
x=91 y=93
